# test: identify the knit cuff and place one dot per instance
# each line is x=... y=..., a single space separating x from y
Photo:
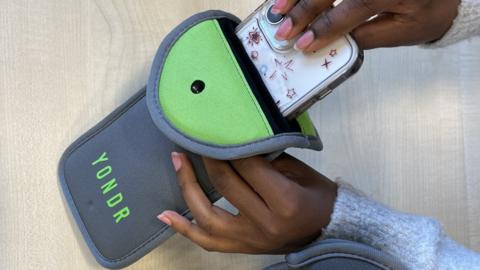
x=413 y=239
x=466 y=25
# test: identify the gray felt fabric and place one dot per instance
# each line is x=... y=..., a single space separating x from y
x=139 y=158
x=264 y=146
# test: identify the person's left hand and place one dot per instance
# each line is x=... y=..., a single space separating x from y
x=283 y=205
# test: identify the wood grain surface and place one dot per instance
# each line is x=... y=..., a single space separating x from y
x=406 y=129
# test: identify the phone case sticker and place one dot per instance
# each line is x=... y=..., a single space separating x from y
x=292 y=75
x=326 y=63
x=254 y=37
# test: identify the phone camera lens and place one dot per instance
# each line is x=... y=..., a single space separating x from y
x=197 y=87
x=274 y=18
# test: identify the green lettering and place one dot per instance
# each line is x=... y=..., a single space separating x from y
x=107 y=187
x=115 y=200
x=120 y=215
x=104 y=172
x=102 y=158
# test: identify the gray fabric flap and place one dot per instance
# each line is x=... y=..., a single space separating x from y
x=267 y=145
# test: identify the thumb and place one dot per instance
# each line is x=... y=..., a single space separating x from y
x=176 y=221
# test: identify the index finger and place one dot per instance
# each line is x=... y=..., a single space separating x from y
x=199 y=236
x=338 y=21
x=300 y=16
x=193 y=194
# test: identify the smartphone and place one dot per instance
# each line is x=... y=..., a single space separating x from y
x=295 y=80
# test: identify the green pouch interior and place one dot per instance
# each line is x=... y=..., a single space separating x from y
x=205 y=94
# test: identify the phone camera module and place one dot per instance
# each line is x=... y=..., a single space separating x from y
x=273 y=18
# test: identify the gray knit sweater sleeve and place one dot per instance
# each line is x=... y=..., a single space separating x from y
x=466 y=25
x=418 y=241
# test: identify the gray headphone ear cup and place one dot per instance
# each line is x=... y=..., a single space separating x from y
x=335 y=254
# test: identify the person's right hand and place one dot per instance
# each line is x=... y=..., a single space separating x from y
x=398 y=22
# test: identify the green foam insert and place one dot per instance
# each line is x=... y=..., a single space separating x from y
x=226 y=112
x=306 y=124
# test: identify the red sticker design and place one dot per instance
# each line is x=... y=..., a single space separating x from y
x=278 y=63
x=291 y=93
x=326 y=63
x=254 y=55
x=284 y=66
x=254 y=37
x=274 y=74
x=288 y=65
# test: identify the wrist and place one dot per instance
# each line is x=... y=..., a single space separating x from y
x=466 y=24
x=331 y=199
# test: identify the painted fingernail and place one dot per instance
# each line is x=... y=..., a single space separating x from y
x=163 y=218
x=284 y=29
x=279 y=4
x=177 y=162
x=304 y=41
x=276 y=10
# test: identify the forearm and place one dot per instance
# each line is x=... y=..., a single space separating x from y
x=418 y=241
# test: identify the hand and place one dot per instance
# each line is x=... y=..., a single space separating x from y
x=398 y=22
x=283 y=205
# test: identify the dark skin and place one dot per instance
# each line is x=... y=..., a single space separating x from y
x=283 y=205
x=398 y=22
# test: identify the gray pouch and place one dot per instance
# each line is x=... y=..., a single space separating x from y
x=117 y=178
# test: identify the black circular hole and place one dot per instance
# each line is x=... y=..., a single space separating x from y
x=197 y=87
x=274 y=18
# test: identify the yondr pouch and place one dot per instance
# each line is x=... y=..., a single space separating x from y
x=117 y=178
x=203 y=97
x=205 y=94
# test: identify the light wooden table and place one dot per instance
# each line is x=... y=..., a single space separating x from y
x=406 y=129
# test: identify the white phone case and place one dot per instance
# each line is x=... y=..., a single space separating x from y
x=294 y=79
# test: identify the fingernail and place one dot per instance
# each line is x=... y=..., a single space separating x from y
x=275 y=10
x=284 y=29
x=163 y=218
x=177 y=162
x=279 y=4
x=304 y=41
